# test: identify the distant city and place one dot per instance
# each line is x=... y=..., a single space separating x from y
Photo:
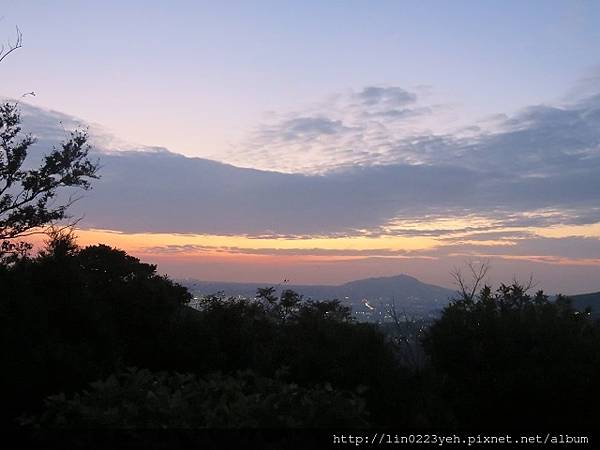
x=371 y=300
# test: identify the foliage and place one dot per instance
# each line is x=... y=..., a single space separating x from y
x=143 y=399
x=29 y=197
x=507 y=358
x=71 y=315
x=316 y=341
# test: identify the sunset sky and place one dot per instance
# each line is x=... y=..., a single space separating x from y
x=322 y=142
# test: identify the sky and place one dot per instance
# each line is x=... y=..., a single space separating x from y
x=323 y=142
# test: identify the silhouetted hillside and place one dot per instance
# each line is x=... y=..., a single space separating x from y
x=583 y=301
x=399 y=287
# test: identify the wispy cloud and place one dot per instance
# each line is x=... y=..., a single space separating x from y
x=375 y=125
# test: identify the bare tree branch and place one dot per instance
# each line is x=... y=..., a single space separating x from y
x=477 y=273
x=404 y=332
x=12 y=46
x=531 y=284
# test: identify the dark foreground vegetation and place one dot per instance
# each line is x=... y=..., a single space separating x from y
x=93 y=338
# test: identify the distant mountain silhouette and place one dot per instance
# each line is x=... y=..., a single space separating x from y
x=583 y=301
x=395 y=286
x=371 y=296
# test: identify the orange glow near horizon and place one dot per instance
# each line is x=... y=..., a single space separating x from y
x=190 y=244
x=323 y=260
x=319 y=248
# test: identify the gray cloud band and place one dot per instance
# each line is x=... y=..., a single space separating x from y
x=545 y=157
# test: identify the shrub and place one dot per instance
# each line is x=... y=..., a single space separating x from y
x=507 y=358
x=158 y=400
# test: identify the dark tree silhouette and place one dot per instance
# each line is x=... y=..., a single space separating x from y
x=511 y=359
x=71 y=315
x=28 y=196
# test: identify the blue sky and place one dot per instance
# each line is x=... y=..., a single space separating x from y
x=217 y=67
x=327 y=141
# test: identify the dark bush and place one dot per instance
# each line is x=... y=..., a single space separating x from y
x=509 y=359
x=70 y=316
x=143 y=399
